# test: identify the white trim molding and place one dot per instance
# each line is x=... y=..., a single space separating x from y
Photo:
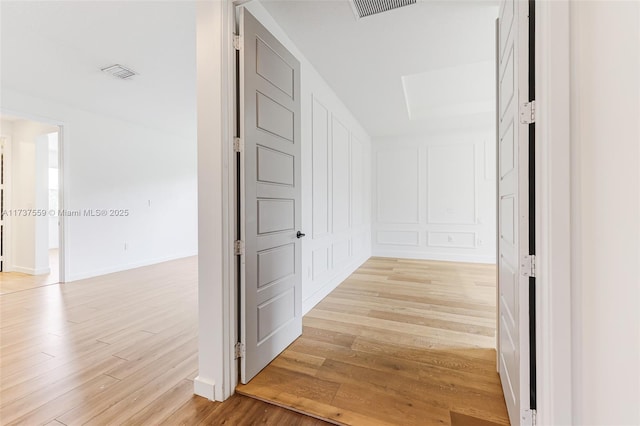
x=31 y=271
x=204 y=388
x=553 y=209
x=216 y=296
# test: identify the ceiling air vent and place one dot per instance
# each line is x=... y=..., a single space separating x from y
x=364 y=8
x=119 y=71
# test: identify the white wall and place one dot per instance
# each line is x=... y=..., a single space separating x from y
x=605 y=149
x=434 y=197
x=336 y=176
x=113 y=164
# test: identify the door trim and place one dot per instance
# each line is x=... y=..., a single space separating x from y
x=6 y=231
x=553 y=210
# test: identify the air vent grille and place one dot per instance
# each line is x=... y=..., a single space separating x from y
x=364 y=8
x=119 y=71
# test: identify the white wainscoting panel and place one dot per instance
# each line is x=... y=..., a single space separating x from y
x=434 y=197
x=359 y=244
x=320 y=166
x=357 y=182
x=451 y=182
x=341 y=175
x=320 y=262
x=341 y=252
x=397 y=204
x=340 y=196
x=451 y=239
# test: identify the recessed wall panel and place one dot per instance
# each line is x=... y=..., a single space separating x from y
x=451 y=177
x=451 y=239
x=358 y=245
x=320 y=262
x=397 y=186
x=341 y=252
x=320 y=169
x=357 y=182
x=340 y=176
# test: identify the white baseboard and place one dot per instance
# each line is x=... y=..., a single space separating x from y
x=470 y=258
x=331 y=284
x=29 y=271
x=119 y=268
x=204 y=388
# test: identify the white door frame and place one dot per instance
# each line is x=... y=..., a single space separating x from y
x=218 y=373
x=6 y=235
x=63 y=260
x=553 y=210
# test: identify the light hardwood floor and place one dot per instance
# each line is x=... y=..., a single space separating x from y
x=117 y=349
x=10 y=282
x=400 y=342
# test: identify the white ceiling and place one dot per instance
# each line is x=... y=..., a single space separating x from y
x=449 y=43
x=55 y=50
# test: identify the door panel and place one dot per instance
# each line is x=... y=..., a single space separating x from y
x=271 y=297
x=513 y=209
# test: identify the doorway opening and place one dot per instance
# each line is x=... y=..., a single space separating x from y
x=333 y=201
x=32 y=213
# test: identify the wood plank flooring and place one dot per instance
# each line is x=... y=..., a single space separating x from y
x=400 y=342
x=10 y=282
x=120 y=349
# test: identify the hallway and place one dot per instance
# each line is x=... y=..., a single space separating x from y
x=399 y=342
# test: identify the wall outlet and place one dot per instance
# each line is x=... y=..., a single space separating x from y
x=126 y=246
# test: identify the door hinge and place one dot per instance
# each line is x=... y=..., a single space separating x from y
x=237 y=145
x=528 y=417
x=238 y=247
x=237 y=42
x=239 y=350
x=528 y=265
x=528 y=112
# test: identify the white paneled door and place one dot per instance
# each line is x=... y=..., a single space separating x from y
x=514 y=271
x=271 y=296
